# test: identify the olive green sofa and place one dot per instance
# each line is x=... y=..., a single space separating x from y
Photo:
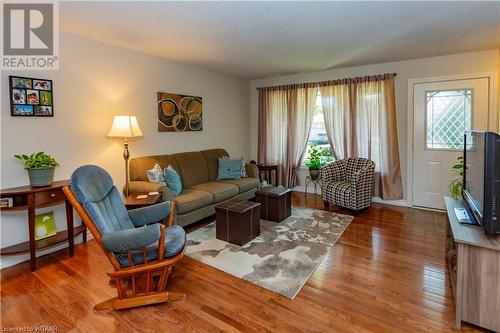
x=201 y=190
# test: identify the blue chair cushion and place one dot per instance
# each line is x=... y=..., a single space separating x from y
x=90 y=183
x=175 y=238
x=150 y=214
x=93 y=188
x=131 y=239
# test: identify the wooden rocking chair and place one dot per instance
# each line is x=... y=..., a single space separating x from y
x=141 y=251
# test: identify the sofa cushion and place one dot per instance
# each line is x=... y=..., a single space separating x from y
x=193 y=167
x=220 y=191
x=191 y=199
x=212 y=156
x=229 y=169
x=173 y=180
x=244 y=184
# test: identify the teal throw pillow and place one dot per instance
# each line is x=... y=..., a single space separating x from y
x=173 y=179
x=229 y=169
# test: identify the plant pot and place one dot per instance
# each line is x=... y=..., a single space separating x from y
x=314 y=173
x=41 y=176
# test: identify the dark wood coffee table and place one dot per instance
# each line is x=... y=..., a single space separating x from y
x=237 y=221
x=276 y=203
x=132 y=202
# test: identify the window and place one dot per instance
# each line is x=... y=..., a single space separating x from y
x=448 y=116
x=318 y=134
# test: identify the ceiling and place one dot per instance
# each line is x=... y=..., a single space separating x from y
x=261 y=39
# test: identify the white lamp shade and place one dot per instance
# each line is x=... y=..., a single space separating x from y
x=125 y=127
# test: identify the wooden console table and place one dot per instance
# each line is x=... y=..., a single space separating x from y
x=473 y=259
x=27 y=198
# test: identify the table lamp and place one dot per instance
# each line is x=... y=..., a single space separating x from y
x=125 y=127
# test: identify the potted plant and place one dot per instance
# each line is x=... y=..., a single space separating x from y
x=40 y=168
x=315 y=160
x=457 y=185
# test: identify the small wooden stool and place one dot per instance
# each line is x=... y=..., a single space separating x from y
x=276 y=203
x=237 y=221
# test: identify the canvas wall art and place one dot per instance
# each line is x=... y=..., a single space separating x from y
x=179 y=113
x=31 y=97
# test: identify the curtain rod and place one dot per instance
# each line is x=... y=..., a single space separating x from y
x=321 y=82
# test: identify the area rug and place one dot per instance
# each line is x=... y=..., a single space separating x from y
x=282 y=258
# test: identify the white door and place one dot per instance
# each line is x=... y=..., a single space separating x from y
x=442 y=112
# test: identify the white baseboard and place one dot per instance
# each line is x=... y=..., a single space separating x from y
x=401 y=202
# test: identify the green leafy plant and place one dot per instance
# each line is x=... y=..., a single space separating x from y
x=38 y=160
x=456 y=186
x=318 y=157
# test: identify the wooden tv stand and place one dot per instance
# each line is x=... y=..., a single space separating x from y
x=473 y=259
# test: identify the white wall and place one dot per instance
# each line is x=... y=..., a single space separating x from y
x=96 y=81
x=466 y=63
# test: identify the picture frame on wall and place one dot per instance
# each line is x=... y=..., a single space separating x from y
x=31 y=97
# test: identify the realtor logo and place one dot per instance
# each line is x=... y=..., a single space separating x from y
x=30 y=36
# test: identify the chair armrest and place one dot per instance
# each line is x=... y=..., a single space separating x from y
x=143 y=186
x=363 y=178
x=252 y=170
x=131 y=239
x=333 y=172
x=150 y=214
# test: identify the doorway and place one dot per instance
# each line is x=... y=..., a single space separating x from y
x=442 y=111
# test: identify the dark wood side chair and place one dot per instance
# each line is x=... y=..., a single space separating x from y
x=142 y=251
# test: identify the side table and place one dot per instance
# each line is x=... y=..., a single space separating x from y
x=132 y=202
x=27 y=198
x=316 y=182
x=268 y=168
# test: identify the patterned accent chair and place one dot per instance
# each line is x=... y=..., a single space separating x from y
x=348 y=183
x=141 y=250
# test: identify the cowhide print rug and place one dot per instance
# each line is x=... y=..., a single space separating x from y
x=282 y=258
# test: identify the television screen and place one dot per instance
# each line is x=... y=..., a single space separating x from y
x=474 y=175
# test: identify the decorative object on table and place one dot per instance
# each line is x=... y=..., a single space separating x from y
x=276 y=203
x=317 y=158
x=141 y=199
x=179 y=113
x=243 y=165
x=31 y=97
x=229 y=169
x=6 y=202
x=141 y=251
x=268 y=168
x=28 y=198
x=45 y=225
x=282 y=258
x=40 y=167
x=316 y=183
x=237 y=221
x=125 y=127
x=456 y=186
x=348 y=183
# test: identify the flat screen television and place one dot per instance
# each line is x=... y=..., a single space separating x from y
x=482 y=176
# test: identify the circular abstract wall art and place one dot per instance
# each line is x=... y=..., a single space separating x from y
x=179 y=113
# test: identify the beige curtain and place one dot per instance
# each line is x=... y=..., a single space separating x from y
x=285 y=118
x=360 y=119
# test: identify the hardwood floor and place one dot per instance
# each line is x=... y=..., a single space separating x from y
x=385 y=274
